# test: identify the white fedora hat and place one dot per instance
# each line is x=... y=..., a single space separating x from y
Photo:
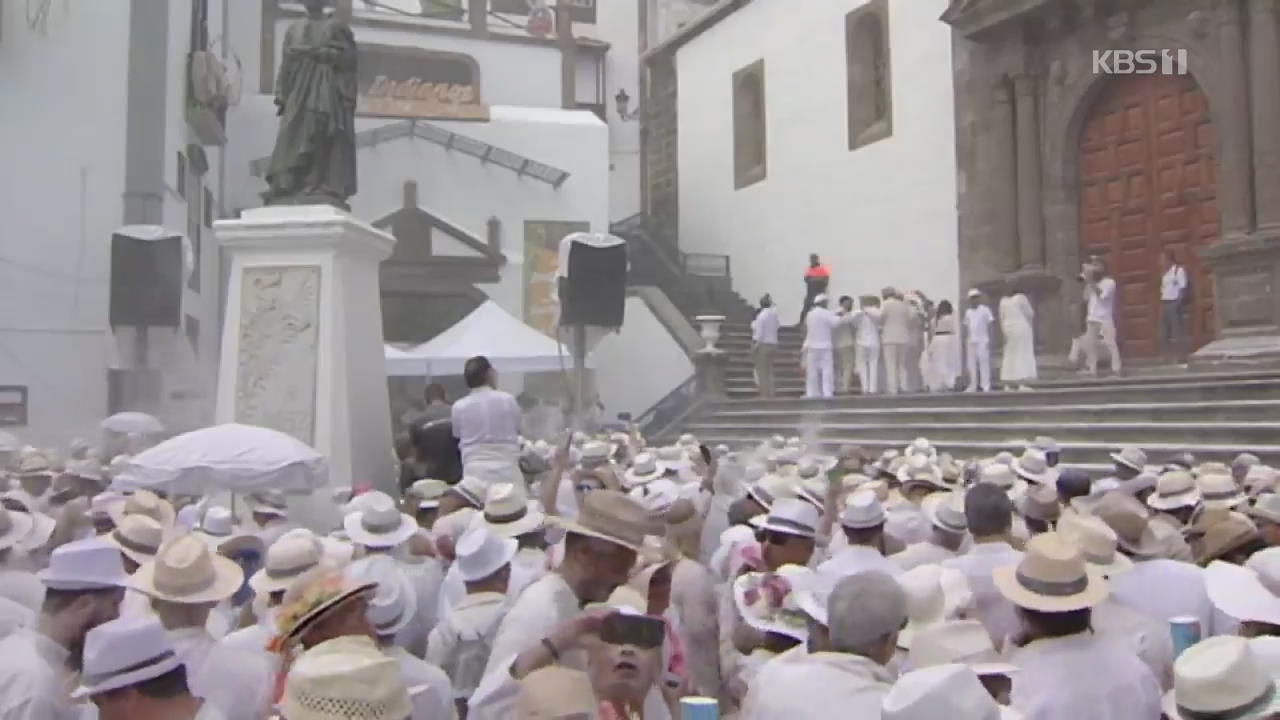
x=657 y=497
x=509 y=512
x=926 y=601
x=1219 y=490
x=1097 y=541
x=1221 y=678
x=1034 y=467
x=125 y=652
x=139 y=537
x=481 y=553
x=644 y=469
x=14 y=527
x=942 y=691
x=1052 y=577
x=946 y=511
x=428 y=492
x=958 y=641
x=287 y=559
x=862 y=511
x=380 y=524
x=145 y=502
x=789 y=516
x=1174 y=489
x=92 y=564
x=1239 y=592
x=770 y=489
x=346 y=677
x=1131 y=457
x=471 y=489
x=218 y=529
x=394 y=602
x=594 y=454
x=187 y=572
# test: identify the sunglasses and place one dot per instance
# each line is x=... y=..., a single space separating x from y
x=770 y=537
x=642 y=631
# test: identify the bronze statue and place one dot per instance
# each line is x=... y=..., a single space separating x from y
x=314 y=160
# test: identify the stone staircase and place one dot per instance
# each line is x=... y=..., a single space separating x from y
x=735 y=339
x=1212 y=414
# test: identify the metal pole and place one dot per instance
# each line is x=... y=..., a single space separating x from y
x=580 y=376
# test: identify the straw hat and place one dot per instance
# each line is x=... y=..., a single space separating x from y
x=863 y=510
x=945 y=511
x=1131 y=521
x=657 y=497
x=1260 y=479
x=921 y=447
x=770 y=489
x=1132 y=458
x=394 y=601
x=380 y=524
x=481 y=553
x=554 y=693
x=644 y=469
x=428 y=492
x=927 y=604
x=185 y=571
x=1052 y=577
x=145 y=502
x=959 y=641
x=1041 y=503
x=942 y=691
x=789 y=516
x=609 y=515
x=92 y=564
x=125 y=652
x=1034 y=467
x=1219 y=490
x=347 y=677
x=768 y=603
x=14 y=527
x=509 y=512
x=218 y=529
x=1225 y=536
x=1266 y=508
x=269 y=503
x=139 y=537
x=1220 y=678
x=920 y=469
x=471 y=489
x=1002 y=476
x=287 y=559
x=1046 y=445
x=1239 y=592
x=36 y=464
x=1097 y=541
x=314 y=595
x=1175 y=489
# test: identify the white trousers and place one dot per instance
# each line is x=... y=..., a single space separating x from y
x=820 y=373
x=493 y=463
x=1098 y=335
x=978 y=355
x=868 y=358
x=895 y=358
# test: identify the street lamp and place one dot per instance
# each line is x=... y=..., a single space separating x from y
x=623 y=102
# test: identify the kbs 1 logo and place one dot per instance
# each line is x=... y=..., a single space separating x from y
x=1139 y=62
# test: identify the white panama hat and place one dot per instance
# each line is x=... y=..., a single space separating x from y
x=124 y=652
x=380 y=524
x=644 y=469
x=394 y=602
x=942 y=691
x=139 y=537
x=481 y=553
x=92 y=564
x=1220 y=677
x=187 y=572
x=862 y=511
x=287 y=559
x=509 y=512
x=789 y=516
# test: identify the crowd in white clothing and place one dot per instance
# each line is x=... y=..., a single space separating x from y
x=623 y=580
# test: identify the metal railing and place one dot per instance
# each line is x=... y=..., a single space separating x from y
x=675 y=405
x=694 y=282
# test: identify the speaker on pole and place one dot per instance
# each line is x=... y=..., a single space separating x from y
x=146 y=277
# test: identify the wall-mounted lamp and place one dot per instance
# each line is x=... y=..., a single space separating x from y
x=623 y=102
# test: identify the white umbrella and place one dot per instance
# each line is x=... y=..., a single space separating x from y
x=133 y=422
x=238 y=458
x=9 y=442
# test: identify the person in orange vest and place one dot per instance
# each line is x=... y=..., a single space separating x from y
x=816 y=279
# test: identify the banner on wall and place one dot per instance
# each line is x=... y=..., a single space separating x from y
x=405 y=82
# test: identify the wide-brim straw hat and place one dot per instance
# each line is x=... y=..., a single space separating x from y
x=1175 y=489
x=508 y=512
x=611 y=516
x=1097 y=541
x=287 y=559
x=1052 y=577
x=789 y=516
x=343 y=678
x=139 y=537
x=147 y=503
x=644 y=469
x=945 y=511
x=1225 y=536
x=1221 y=677
x=314 y=595
x=187 y=572
x=1132 y=458
x=1266 y=507
x=556 y=692
x=1220 y=491
x=1034 y=467
x=14 y=527
x=380 y=524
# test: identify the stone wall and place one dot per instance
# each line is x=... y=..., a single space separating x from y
x=661 y=144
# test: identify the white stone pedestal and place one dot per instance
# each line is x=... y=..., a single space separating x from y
x=302 y=348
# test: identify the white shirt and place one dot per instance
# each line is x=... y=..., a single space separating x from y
x=473 y=619
x=853 y=559
x=819 y=326
x=1147 y=637
x=817 y=686
x=237 y=682
x=996 y=613
x=486 y=417
x=1083 y=676
x=846 y=329
x=426 y=578
x=34 y=682
x=1102 y=303
x=1165 y=589
x=22 y=587
x=764 y=328
x=1173 y=283
x=867 y=321
x=539 y=609
x=527 y=567
x=921 y=553
x=430 y=691
x=977 y=321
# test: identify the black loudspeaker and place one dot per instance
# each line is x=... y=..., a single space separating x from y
x=146 y=277
x=593 y=280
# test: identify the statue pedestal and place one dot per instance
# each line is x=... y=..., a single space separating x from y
x=302 y=347
x=1246 y=274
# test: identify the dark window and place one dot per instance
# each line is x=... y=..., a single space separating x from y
x=195 y=229
x=182 y=174
x=870 y=80
x=208 y=208
x=750 y=149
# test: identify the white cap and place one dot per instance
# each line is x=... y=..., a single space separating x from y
x=481 y=553
x=125 y=652
x=92 y=564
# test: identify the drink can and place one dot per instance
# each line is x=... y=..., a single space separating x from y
x=699 y=708
x=1185 y=631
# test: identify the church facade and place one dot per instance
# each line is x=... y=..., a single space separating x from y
x=1118 y=130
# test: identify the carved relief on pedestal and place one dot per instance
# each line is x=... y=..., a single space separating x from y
x=276 y=364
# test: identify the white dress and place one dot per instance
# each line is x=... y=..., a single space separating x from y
x=1016 y=316
x=942 y=363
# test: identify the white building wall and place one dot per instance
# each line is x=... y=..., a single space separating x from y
x=883 y=214
x=665 y=363
x=618 y=23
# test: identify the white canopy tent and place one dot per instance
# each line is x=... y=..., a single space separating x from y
x=403 y=363
x=510 y=345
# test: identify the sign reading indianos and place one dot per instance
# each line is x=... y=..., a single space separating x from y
x=406 y=82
